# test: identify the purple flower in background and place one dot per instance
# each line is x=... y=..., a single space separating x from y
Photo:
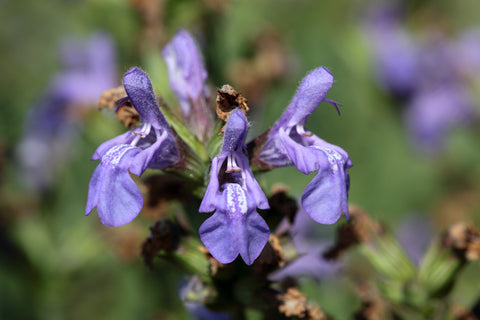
x=90 y=69
x=310 y=247
x=53 y=122
x=431 y=71
x=325 y=197
x=188 y=80
x=234 y=194
x=468 y=48
x=152 y=145
x=433 y=113
x=394 y=51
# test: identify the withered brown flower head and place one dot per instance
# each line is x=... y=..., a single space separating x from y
x=228 y=99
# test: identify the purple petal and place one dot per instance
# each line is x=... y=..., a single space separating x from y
x=433 y=113
x=212 y=193
x=161 y=154
x=274 y=153
x=235 y=131
x=468 y=47
x=316 y=142
x=140 y=91
x=253 y=188
x=305 y=159
x=112 y=190
x=236 y=228
x=216 y=235
x=325 y=197
x=309 y=263
x=125 y=138
x=186 y=70
x=310 y=94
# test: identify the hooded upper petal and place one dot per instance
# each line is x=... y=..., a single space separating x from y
x=140 y=93
x=310 y=94
x=235 y=131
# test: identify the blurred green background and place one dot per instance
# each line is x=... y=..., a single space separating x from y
x=57 y=264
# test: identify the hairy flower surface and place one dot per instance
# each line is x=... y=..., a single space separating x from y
x=325 y=197
x=152 y=145
x=234 y=194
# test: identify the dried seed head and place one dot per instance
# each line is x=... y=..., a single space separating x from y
x=109 y=98
x=165 y=235
x=228 y=99
x=271 y=257
x=464 y=239
x=293 y=303
x=116 y=98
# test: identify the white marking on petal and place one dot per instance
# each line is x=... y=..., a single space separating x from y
x=332 y=156
x=236 y=200
x=115 y=154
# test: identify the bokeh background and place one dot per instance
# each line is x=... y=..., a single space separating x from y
x=57 y=264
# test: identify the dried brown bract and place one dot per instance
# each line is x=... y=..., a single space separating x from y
x=294 y=304
x=161 y=189
x=373 y=306
x=215 y=265
x=283 y=205
x=464 y=239
x=126 y=113
x=228 y=99
x=460 y=313
x=109 y=99
x=271 y=257
x=165 y=235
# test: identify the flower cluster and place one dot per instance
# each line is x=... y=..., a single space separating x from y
x=232 y=194
x=431 y=74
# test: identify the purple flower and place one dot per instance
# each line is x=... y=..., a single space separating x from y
x=152 y=145
x=325 y=197
x=90 y=69
x=468 y=55
x=53 y=122
x=310 y=248
x=433 y=113
x=188 y=80
x=235 y=227
x=395 y=52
